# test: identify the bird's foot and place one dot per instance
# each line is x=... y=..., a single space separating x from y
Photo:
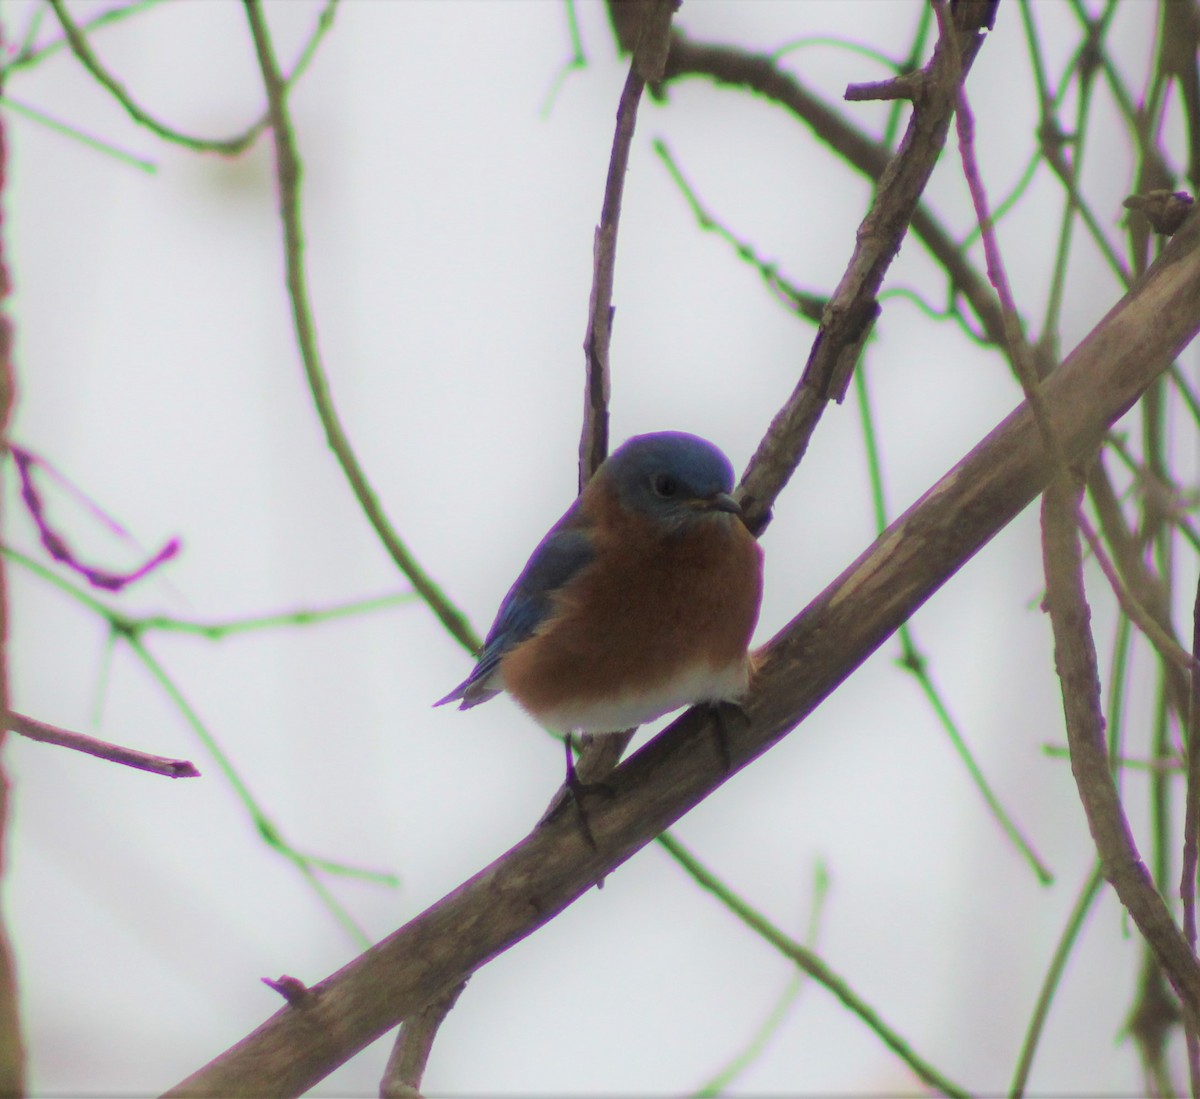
x=575 y=791
x=723 y=712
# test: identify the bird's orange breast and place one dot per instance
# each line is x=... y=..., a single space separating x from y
x=657 y=614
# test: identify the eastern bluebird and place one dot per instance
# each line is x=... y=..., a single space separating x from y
x=641 y=598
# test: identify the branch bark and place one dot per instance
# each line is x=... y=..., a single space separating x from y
x=101 y=749
x=410 y=1053
x=1075 y=658
x=853 y=308
x=649 y=25
x=800 y=667
x=653 y=22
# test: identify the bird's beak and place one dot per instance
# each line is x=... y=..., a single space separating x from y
x=721 y=501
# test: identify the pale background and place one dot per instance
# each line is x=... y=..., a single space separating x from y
x=449 y=227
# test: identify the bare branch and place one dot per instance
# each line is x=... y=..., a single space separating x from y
x=406 y=1065
x=56 y=545
x=1075 y=658
x=101 y=749
x=230 y=146
x=762 y=75
x=649 y=56
x=1145 y=588
x=653 y=24
x=853 y=307
x=1191 y=832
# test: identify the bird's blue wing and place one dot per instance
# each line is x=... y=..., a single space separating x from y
x=566 y=550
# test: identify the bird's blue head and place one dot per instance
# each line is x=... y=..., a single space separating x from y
x=671 y=476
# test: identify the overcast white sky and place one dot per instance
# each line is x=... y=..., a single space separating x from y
x=449 y=224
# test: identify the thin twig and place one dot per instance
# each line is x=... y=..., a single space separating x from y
x=601 y=754
x=406 y=1066
x=813 y=965
x=131 y=631
x=576 y=63
x=271 y=834
x=718 y=1083
x=305 y=616
x=914 y=661
x=288 y=175
x=1050 y=139
x=646 y=65
x=1164 y=644
x=1130 y=763
x=1020 y=353
x=1191 y=826
x=28 y=56
x=1144 y=585
x=1075 y=659
x=229 y=146
x=1058 y=963
x=762 y=75
x=853 y=306
x=57 y=125
x=101 y=749
x=905 y=86
x=810 y=306
x=56 y=544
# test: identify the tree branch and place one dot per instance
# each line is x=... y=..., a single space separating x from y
x=1075 y=658
x=288 y=174
x=649 y=57
x=599 y=755
x=760 y=74
x=851 y=312
x=1191 y=832
x=230 y=146
x=101 y=749
x=406 y=1065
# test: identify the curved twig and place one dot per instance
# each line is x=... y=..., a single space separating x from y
x=1075 y=658
x=649 y=58
x=288 y=173
x=229 y=146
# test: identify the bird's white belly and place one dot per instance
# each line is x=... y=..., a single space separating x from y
x=700 y=683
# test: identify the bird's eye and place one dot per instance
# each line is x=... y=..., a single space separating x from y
x=665 y=486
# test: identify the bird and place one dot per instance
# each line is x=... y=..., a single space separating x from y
x=640 y=600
